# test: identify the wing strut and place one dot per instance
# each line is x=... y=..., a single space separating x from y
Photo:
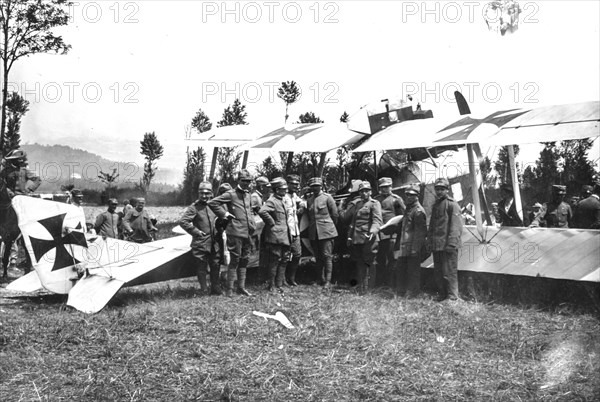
x=515 y=181
x=474 y=176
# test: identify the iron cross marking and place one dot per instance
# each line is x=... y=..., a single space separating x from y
x=282 y=132
x=54 y=226
x=498 y=119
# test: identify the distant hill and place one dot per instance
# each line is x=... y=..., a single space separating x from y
x=61 y=164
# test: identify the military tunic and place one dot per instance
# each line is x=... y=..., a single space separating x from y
x=556 y=215
x=391 y=206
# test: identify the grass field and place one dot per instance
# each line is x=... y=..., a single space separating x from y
x=164 y=342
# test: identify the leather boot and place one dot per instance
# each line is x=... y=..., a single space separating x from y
x=215 y=285
x=202 y=277
x=280 y=279
x=242 y=282
x=328 y=268
x=230 y=281
x=272 y=274
x=291 y=270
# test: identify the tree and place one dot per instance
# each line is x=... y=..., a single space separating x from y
x=545 y=173
x=16 y=107
x=270 y=168
x=228 y=158
x=501 y=166
x=201 y=122
x=309 y=117
x=344 y=117
x=152 y=151
x=26 y=30
x=289 y=92
x=577 y=170
x=233 y=115
x=193 y=174
x=487 y=177
x=109 y=179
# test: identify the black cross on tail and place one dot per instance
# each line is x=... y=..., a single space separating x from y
x=54 y=226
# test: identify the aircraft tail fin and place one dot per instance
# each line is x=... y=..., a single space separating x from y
x=461 y=102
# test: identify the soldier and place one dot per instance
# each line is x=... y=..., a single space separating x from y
x=557 y=213
x=588 y=213
x=366 y=219
x=108 y=222
x=76 y=199
x=137 y=224
x=445 y=230
x=507 y=209
x=293 y=204
x=412 y=239
x=391 y=205
x=235 y=206
x=201 y=222
x=586 y=191
x=224 y=188
x=20 y=180
x=277 y=233
x=322 y=217
x=535 y=211
x=260 y=193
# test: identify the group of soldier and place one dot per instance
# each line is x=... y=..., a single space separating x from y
x=396 y=247
x=583 y=212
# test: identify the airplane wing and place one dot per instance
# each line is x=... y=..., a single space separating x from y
x=563 y=254
x=92 y=268
x=310 y=137
x=231 y=136
x=507 y=127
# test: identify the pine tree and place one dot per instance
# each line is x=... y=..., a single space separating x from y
x=201 y=122
x=502 y=166
x=289 y=92
x=152 y=151
x=16 y=107
x=233 y=115
x=193 y=174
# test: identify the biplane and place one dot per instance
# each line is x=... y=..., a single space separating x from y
x=572 y=254
x=91 y=269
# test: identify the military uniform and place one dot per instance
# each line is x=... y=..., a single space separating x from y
x=322 y=217
x=588 y=213
x=236 y=204
x=412 y=237
x=201 y=222
x=444 y=236
x=107 y=224
x=139 y=225
x=292 y=203
x=556 y=213
x=391 y=206
x=277 y=234
x=365 y=222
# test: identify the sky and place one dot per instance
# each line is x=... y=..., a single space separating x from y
x=149 y=66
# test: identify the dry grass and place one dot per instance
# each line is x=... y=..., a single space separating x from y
x=164 y=342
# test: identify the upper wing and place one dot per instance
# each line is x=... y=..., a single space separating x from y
x=311 y=137
x=518 y=126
